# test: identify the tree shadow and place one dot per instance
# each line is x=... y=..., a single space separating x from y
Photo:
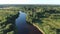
x=51 y=11
x=10 y=20
x=57 y=31
x=36 y=21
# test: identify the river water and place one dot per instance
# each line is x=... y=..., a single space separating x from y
x=23 y=27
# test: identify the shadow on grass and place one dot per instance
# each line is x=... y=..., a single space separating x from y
x=11 y=27
x=37 y=21
x=57 y=31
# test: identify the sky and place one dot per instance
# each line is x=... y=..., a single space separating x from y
x=30 y=2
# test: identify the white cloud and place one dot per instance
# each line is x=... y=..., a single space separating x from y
x=30 y=2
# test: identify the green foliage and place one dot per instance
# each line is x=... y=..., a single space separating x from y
x=7 y=20
x=45 y=17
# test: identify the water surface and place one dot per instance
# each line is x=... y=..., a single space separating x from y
x=23 y=27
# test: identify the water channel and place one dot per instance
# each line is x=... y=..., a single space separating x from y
x=23 y=27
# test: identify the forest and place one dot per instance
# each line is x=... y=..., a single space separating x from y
x=7 y=21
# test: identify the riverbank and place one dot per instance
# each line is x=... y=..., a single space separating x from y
x=36 y=27
x=34 y=30
x=45 y=19
x=39 y=28
x=7 y=21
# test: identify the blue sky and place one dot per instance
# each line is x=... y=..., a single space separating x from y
x=30 y=2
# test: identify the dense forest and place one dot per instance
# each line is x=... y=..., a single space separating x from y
x=7 y=21
x=46 y=17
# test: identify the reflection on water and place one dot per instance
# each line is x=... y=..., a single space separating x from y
x=23 y=27
x=21 y=23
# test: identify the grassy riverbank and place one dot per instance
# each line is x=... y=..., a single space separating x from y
x=7 y=21
x=45 y=18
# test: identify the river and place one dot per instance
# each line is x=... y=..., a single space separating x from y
x=23 y=27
